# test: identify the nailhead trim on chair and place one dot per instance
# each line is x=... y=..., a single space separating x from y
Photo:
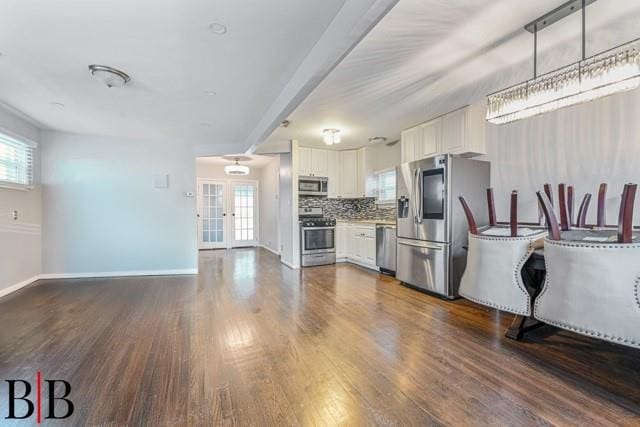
x=600 y=335
x=518 y=268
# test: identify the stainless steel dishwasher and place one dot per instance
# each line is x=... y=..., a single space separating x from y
x=386 y=248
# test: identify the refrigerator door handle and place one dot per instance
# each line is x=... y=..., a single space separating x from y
x=415 y=196
x=420 y=245
x=420 y=197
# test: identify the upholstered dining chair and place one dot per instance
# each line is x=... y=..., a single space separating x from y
x=495 y=260
x=592 y=284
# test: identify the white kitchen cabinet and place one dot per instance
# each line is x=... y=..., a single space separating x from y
x=362 y=172
x=342 y=240
x=431 y=143
x=304 y=161
x=349 y=174
x=453 y=131
x=333 y=174
x=410 y=140
x=319 y=162
x=460 y=132
x=356 y=243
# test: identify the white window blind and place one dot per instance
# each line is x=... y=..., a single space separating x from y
x=16 y=161
x=382 y=185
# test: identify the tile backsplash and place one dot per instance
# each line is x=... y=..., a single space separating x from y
x=365 y=208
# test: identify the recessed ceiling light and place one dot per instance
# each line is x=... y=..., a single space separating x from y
x=210 y=92
x=217 y=28
x=377 y=139
x=109 y=75
x=57 y=104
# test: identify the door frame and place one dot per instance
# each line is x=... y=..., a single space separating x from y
x=199 y=219
x=256 y=213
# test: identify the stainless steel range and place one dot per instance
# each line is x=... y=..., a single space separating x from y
x=317 y=238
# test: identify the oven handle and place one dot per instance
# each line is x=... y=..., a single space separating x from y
x=318 y=228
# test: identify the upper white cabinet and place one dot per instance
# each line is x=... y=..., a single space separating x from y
x=349 y=174
x=431 y=143
x=459 y=132
x=318 y=162
x=304 y=161
x=346 y=170
x=333 y=174
x=312 y=162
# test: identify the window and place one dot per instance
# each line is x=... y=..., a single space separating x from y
x=382 y=185
x=16 y=161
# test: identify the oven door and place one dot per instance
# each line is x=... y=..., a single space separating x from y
x=318 y=240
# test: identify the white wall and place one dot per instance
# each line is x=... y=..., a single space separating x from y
x=20 y=241
x=103 y=214
x=269 y=204
x=382 y=156
x=286 y=218
x=582 y=145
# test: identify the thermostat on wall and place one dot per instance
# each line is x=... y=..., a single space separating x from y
x=188 y=194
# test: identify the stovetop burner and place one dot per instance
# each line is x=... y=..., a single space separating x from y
x=318 y=222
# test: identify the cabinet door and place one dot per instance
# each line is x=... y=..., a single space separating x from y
x=431 y=138
x=318 y=162
x=333 y=174
x=453 y=131
x=349 y=174
x=354 y=243
x=369 y=251
x=407 y=145
x=304 y=161
x=341 y=241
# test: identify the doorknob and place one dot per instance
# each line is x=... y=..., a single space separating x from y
x=224 y=214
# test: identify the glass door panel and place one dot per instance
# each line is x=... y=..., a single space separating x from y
x=211 y=224
x=244 y=214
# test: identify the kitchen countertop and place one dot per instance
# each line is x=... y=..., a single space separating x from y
x=367 y=221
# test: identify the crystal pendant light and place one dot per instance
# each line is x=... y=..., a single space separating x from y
x=606 y=73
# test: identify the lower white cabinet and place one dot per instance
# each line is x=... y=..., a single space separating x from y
x=356 y=243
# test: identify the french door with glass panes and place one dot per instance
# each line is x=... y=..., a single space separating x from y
x=212 y=214
x=244 y=215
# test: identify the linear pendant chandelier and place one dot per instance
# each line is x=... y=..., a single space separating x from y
x=612 y=71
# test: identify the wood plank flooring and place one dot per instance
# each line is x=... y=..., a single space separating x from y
x=251 y=342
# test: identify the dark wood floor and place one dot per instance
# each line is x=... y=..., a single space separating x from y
x=250 y=342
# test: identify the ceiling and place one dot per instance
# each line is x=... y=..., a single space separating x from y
x=172 y=57
x=429 y=57
x=255 y=161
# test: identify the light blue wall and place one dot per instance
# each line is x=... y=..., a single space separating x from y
x=101 y=212
x=20 y=240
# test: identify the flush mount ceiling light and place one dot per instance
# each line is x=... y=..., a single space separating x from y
x=331 y=136
x=612 y=71
x=377 y=139
x=236 y=169
x=217 y=28
x=109 y=76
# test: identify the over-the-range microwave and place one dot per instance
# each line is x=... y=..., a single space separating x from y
x=312 y=186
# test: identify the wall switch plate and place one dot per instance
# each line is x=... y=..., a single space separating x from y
x=160 y=181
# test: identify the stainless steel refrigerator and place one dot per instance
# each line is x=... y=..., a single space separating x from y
x=431 y=226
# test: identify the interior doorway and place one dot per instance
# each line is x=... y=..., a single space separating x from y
x=227 y=213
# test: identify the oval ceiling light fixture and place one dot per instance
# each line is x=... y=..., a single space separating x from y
x=377 y=139
x=217 y=28
x=109 y=75
x=331 y=136
x=236 y=169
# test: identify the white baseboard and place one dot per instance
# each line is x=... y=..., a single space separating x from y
x=270 y=250
x=291 y=266
x=119 y=274
x=13 y=288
